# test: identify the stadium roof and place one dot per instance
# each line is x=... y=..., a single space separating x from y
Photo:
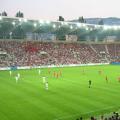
x=56 y=24
x=19 y=27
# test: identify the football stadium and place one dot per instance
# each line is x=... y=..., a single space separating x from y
x=58 y=70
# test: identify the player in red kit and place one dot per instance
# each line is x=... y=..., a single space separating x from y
x=54 y=74
x=100 y=72
x=49 y=70
x=118 y=79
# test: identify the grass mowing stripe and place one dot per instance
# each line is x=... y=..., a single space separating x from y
x=64 y=98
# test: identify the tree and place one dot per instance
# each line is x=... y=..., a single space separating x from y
x=100 y=22
x=5 y=29
x=61 y=18
x=4 y=13
x=19 y=14
x=61 y=32
x=18 y=33
x=81 y=20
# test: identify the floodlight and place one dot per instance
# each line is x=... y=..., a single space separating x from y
x=41 y=21
x=54 y=26
x=0 y=18
x=87 y=28
x=106 y=27
x=13 y=23
x=65 y=23
x=96 y=26
x=35 y=24
x=115 y=27
x=59 y=26
x=20 y=19
x=79 y=24
x=71 y=27
x=91 y=29
x=83 y=25
x=25 y=20
x=48 y=22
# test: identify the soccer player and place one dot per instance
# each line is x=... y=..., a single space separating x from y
x=10 y=72
x=54 y=74
x=106 y=78
x=83 y=72
x=57 y=75
x=81 y=118
x=44 y=80
x=39 y=72
x=100 y=72
x=49 y=70
x=90 y=82
x=46 y=85
x=60 y=73
x=18 y=75
x=16 y=78
x=118 y=79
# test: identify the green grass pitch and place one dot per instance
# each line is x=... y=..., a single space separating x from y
x=68 y=97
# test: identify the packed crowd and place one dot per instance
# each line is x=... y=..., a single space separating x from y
x=31 y=53
x=113 y=116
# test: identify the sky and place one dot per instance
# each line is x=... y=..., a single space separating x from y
x=69 y=9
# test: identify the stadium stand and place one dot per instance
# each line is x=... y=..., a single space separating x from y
x=30 y=53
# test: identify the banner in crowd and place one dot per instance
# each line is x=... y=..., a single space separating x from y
x=115 y=63
x=13 y=67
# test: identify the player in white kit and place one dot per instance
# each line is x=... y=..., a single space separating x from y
x=39 y=72
x=16 y=78
x=10 y=72
x=46 y=85
x=18 y=75
x=44 y=80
